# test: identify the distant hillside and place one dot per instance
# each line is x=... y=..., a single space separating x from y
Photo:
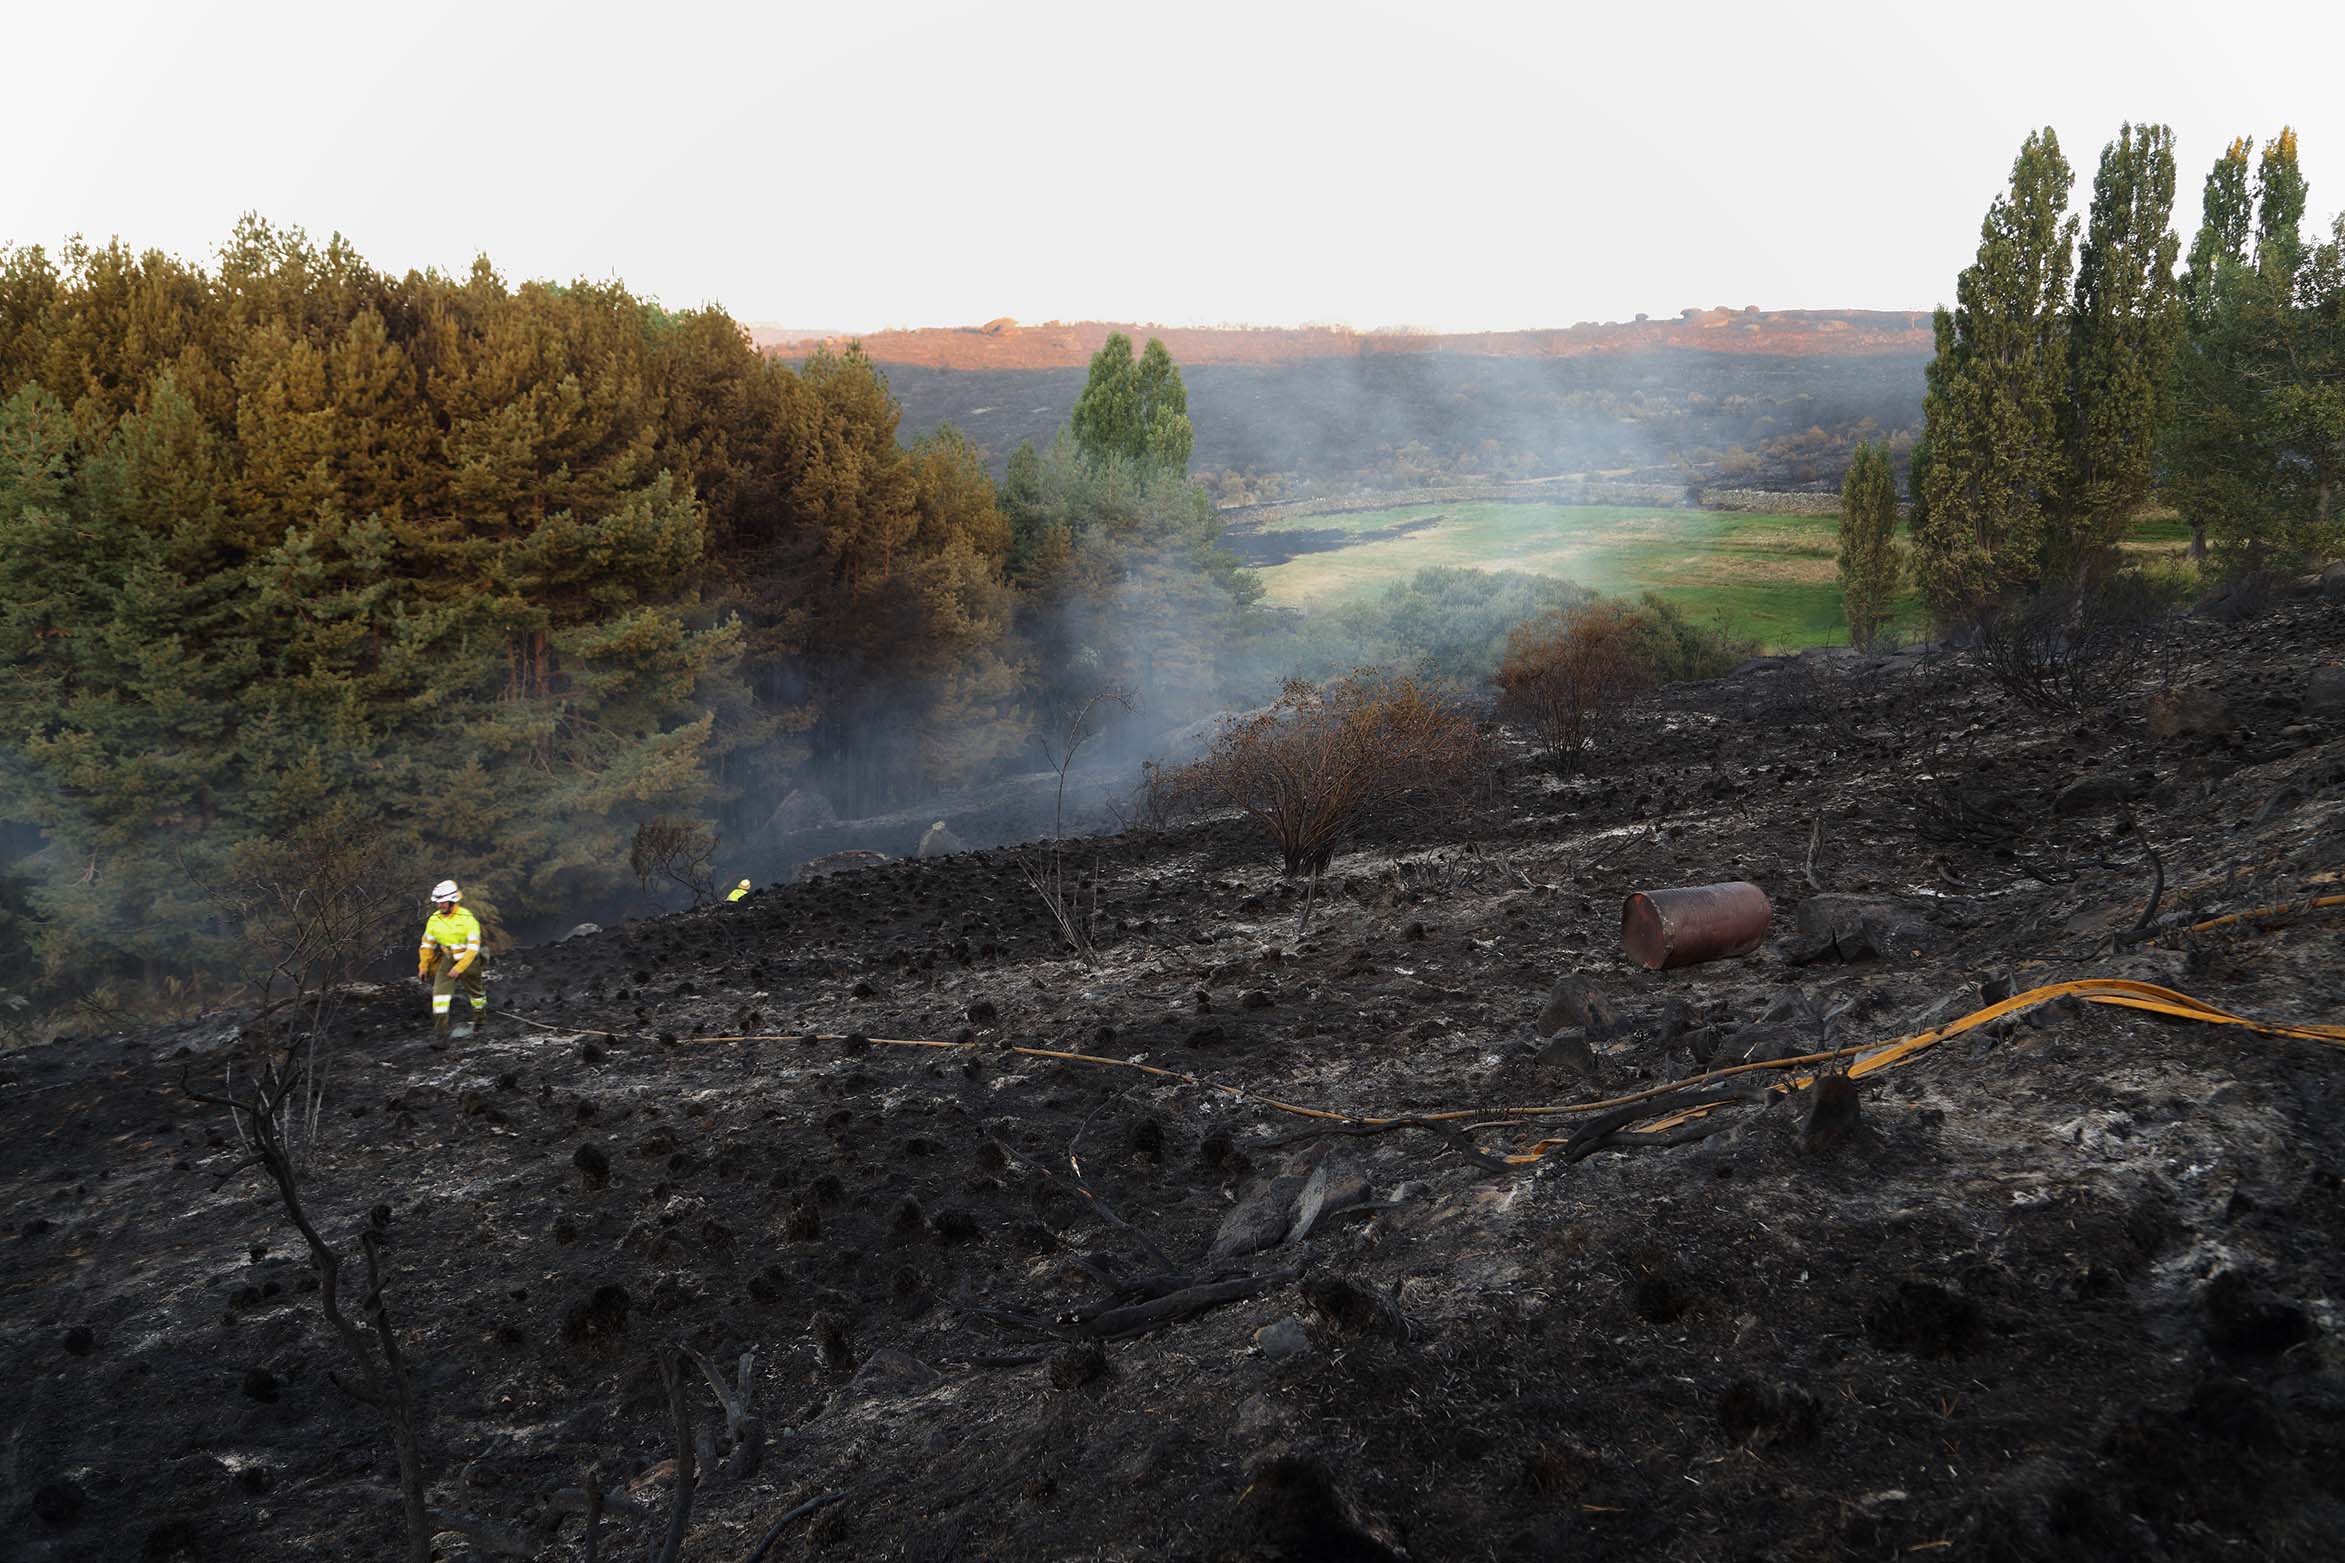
x=1764 y=422
x=1750 y=398
x=768 y=337
x=1005 y=344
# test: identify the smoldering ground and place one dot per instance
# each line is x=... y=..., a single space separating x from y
x=2062 y=1289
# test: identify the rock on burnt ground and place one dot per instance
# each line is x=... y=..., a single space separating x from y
x=2063 y=1287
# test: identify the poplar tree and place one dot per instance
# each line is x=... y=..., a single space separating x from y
x=2122 y=334
x=2280 y=196
x=2227 y=217
x=1167 y=436
x=1993 y=398
x=1135 y=412
x=1869 y=567
x=2207 y=469
x=2255 y=452
x=2308 y=410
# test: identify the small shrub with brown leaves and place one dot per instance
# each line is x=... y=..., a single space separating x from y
x=1569 y=676
x=1326 y=762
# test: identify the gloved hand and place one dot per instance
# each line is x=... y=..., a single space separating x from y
x=423 y=974
x=463 y=964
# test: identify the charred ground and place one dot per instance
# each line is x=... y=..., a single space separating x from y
x=2070 y=1290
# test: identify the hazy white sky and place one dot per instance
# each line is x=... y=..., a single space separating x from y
x=1447 y=163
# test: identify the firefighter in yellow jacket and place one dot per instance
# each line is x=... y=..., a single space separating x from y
x=449 y=957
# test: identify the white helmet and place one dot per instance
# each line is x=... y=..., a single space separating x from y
x=446 y=890
x=744 y=884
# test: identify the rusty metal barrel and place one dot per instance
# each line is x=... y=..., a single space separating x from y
x=1664 y=928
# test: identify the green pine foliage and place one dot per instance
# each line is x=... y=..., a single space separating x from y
x=500 y=570
x=504 y=571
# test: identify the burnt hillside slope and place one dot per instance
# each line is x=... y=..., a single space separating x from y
x=2066 y=1288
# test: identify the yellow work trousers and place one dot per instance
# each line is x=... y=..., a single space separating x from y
x=446 y=980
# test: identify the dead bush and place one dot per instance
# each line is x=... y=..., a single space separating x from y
x=681 y=852
x=1162 y=799
x=2071 y=652
x=305 y=912
x=1073 y=906
x=308 y=908
x=1313 y=770
x=1570 y=674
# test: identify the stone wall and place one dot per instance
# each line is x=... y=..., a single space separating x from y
x=1545 y=491
x=1771 y=501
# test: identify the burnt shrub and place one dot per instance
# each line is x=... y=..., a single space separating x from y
x=1569 y=675
x=2064 y=652
x=1326 y=762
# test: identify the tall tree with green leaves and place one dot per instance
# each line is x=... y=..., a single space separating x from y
x=2227 y=217
x=2307 y=411
x=2210 y=415
x=2210 y=466
x=1994 y=393
x=1135 y=412
x=2123 y=331
x=1869 y=567
x=2255 y=451
x=2280 y=198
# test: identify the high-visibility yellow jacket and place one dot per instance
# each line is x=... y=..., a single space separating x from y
x=738 y=893
x=457 y=932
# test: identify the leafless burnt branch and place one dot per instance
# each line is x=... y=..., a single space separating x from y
x=383 y=1380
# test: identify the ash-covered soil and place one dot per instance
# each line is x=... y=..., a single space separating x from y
x=2069 y=1291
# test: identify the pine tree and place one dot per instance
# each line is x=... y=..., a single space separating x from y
x=1869 y=567
x=1992 y=405
x=132 y=624
x=501 y=570
x=1123 y=580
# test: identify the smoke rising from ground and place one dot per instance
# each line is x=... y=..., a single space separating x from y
x=1396 y=418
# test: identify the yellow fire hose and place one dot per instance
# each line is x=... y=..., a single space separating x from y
x=1889 y=1055
x=2319 y=903
x=2093 y=990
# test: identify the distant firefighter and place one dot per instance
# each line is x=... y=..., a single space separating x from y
x=939 y=841
x=739 y=891
x=449 y=957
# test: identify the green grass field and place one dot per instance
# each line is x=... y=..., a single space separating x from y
x=1765 y=578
